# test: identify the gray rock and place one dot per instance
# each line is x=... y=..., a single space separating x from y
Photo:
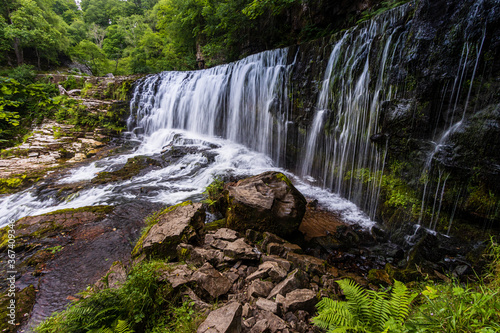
x=268 y=269
x=226 y=234
x=267 y=305
x=297 y=279
x=274 y=322
x=249 y=323
x=282 y=262
x=179 y=225
x=224 y=320
x=307 y=263
x=211 y=281
x=260 y=288
x=240 y=250
x=179 y=276
x=301 y=299
x=260 y=327
x=198 y=303
x=265 y=202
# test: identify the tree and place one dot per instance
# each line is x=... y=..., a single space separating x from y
x=88 y=53
x=32 y=24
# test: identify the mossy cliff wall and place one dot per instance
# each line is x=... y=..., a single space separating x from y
x=436 y=122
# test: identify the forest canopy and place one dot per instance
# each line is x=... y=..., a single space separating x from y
x=146 y=36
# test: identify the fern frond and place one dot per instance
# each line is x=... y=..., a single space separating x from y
x=122 y=326
x=399 y=303
x=333 y=314
x=379 y=308
x=357 y=299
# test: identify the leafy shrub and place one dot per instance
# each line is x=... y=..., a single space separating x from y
x=24 y=74
x=365 y=310
x=213 y=192
x=454 y=308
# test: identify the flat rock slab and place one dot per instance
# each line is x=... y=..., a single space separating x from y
x=224 y=320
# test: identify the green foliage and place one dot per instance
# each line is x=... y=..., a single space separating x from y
x=454 y=308
x=365 y=310
x=54 y=249
x=258 y=7
x=382 y=7
x=213 y=192
x=9 y=184
x=24 y=74
x=139 y=301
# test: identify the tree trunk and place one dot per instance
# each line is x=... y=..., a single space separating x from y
x=38 y=58
x=18 y=50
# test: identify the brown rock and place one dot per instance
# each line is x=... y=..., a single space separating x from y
x=179 y=276
x=226 y=234
x=307 y=263
x=260 y=288
x=267 y=305
x=297 y=279
x=301 y=299
x=224 y=320
x=179 y=225
x=267 y=201
x=240 y=250
x=211 y=281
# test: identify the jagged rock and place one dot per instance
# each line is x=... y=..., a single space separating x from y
x=267 y=201
x=268 y=269
x=282 y=262
x=226 y=234
x=250 y=322
x=307 y=263
x=198 y=303
x=239 y=250
x=179 y=224
x=301 y=299
x=210 y=281
x=267 y=305
x=179 y=276
x=297 y=279
x=246 y=310
x=260 y=326
x=224 y=320
x=260 y=288
x=198 y=256
x=117 y=275
x=274 y=323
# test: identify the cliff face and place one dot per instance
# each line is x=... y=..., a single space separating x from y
x=424 y=86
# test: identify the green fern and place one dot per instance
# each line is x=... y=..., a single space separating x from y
x=365 y=310
x=120 y=326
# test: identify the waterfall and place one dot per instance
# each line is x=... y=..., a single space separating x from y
x=245 y=102
x=339 y=152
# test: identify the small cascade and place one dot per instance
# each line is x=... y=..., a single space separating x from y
x=452 y=125
x=339 y=152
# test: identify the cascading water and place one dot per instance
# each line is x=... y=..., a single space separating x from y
x=470 y=50
x=339 y=152
x=230 y=119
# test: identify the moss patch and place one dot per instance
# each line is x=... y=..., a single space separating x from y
x=132 y=168
x=152 y=220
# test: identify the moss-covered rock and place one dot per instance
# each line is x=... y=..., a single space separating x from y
x=266 y=202
x=177 y=224
x=132 y=168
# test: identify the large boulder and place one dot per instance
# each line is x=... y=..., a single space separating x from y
x=266 y=202
x=177 y=224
